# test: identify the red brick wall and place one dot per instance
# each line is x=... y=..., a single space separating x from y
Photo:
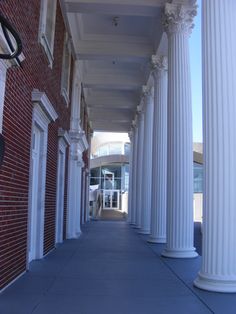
x=14 y=174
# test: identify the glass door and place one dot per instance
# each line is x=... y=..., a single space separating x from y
x=111 y=199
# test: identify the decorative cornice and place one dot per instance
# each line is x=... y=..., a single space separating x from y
x=42 y=99
x=178 y=18
x=76 y=136
x=64 y=134
x=79 y=137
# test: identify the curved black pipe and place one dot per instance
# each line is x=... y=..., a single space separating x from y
x=15 y=52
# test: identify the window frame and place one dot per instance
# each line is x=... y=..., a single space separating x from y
x=65 y=90
x=48 y=47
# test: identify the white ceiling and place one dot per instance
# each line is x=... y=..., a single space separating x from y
x=116 y=59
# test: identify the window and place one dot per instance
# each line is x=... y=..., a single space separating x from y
x=47 y=27
x=198 y=177
x=65 y=77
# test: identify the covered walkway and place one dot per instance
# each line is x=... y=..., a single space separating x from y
x=111 y=269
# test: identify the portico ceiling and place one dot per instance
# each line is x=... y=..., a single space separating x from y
x=114 y=39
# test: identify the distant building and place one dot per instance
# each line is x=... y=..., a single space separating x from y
x=110 y=169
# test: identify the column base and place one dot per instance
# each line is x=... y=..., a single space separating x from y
x=78 y=234
x=73 y=236
x=212 y=283
x=180 y=253
x=136 y=227
x=143 y=231
x=156 y=240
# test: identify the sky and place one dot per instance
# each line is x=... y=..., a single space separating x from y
x=196 y=72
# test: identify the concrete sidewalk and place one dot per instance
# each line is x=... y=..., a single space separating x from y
x=109 y=270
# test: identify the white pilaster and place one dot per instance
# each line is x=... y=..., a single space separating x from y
x=147 y=161
x=178 y=25
x=218 y=270
x=139 y=175
x=159 y=161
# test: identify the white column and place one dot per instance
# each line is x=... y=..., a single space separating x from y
x=178 y=25
x=87 y=195
x=75 y=163
x=74 y=189
x=218 y=270
x=139 y=177
x=77 y=198
x=159 y=161
x=134 y=175
x=131 y=161
x=147 y=160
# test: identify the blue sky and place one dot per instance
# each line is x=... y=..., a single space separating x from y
x=196 y=72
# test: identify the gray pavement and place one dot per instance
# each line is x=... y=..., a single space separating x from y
x=110 y=269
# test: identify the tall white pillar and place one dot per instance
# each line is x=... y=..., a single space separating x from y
x=77 y=198
x=147 y=161
x=139 y=176
x=134 y=174
x=159 y=161
x=178 y=25
x=218 y=270
x=131 y=161
x=75 y=162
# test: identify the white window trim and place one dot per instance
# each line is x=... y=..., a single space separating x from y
x=66 y=92
x=42 y=30
x=43 y=114
x=45 y=104
x=64 y=142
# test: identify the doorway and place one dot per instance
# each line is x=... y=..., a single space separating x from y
x=111 y=199
x=36 y=210
x=60 y=191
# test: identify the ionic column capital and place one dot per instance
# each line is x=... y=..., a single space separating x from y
x=178 y=18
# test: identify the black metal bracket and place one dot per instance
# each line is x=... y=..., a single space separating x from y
x=15 y=52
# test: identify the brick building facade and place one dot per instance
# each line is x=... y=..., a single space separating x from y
x=40 y=76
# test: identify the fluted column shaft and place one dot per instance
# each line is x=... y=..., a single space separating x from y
x=139 y=175
x=179 y=139
x=159 y=161
x=147 y=162
x=134 y=176
x=218 y=270
x=131 y=162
